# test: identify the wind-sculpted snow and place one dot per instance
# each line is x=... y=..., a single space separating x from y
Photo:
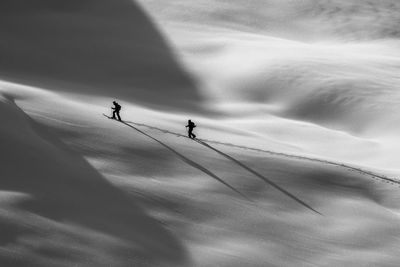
x=332 y=63
x=96 y=192
x=292 y=19
x=297 y=108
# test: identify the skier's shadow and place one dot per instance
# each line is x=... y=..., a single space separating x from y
x=188 y=161
x=262 y=177
x=158 y=129
x=237 y=162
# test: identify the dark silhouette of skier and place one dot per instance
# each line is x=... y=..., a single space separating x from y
x=116 y=109
x=191 y=126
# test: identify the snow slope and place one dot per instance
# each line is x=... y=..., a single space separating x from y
x=296 y=164
x=86 y=190
x=301 y=72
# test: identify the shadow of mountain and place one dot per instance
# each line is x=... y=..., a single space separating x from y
x=64 y=189
x=108 y=48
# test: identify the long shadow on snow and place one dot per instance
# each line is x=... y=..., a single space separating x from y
x=234 y=160
x=63 y=187
x=189 y=161
x=259 y=176
x=230 y=158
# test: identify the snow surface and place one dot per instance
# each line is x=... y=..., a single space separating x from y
x=296 y=164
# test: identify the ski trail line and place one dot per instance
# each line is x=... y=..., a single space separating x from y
x=260 y=176
x=374 y=175
x=190 y=162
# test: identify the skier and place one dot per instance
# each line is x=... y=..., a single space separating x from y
x=191 y=126
x=116 y=109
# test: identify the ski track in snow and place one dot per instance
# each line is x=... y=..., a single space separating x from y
x=376 y=176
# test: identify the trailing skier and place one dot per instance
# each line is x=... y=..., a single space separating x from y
x=191 y=126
